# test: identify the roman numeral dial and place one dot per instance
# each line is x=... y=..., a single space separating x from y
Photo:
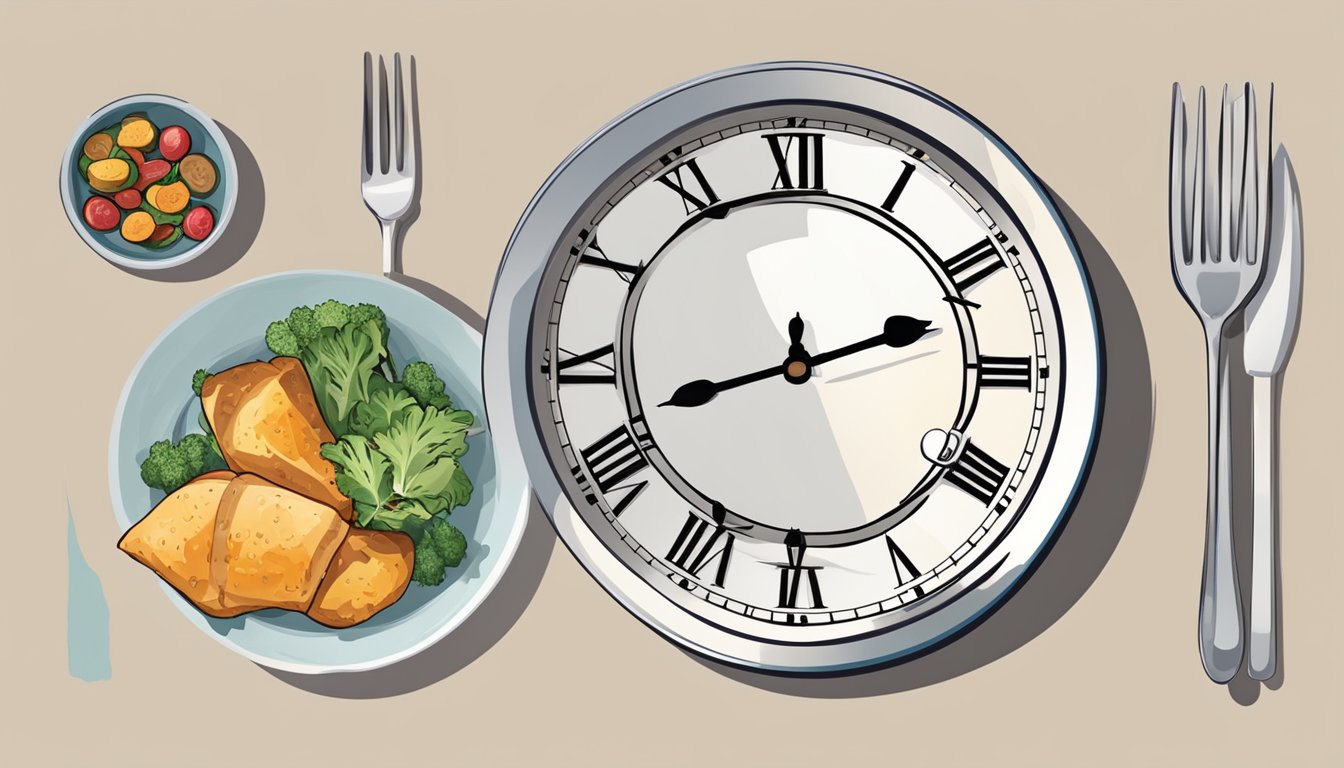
x=700 y=543
x=973 y=264
x=799 y=585
x=969 y=467
x=689 y=182
x=593 y=255
x=798 y=160
x=903 y=566
x=907 y=170
x=597 y=366
x=613 y=458
x=1004 y=372
x=977 y=473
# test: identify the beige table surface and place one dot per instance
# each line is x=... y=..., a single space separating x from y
x=1093 y=663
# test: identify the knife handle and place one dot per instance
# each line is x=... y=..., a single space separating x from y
x=1263 y=650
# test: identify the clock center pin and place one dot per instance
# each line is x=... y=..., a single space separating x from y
x=796 y=370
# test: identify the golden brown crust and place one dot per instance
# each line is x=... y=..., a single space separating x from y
x=371 y=571
x=175 y=539
x=272 y=546
x=266 y=419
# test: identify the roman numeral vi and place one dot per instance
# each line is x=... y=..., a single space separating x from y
x=794 y=576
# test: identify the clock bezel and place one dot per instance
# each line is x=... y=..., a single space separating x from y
x=614 y=153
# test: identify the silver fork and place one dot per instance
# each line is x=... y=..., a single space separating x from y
x=1216 y=260
x=387 y=163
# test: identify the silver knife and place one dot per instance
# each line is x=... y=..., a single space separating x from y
x=1271 y=325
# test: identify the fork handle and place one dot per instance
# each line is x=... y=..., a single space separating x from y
x=1220 y=641
x=1263 y=650
x=391 y=258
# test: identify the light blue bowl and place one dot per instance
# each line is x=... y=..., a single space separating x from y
x=227 y=330
x=206 y=139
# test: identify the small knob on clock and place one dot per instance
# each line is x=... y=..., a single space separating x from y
x=942 y=447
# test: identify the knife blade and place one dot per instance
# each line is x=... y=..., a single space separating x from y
x=1271 y=326
x=1271 y=316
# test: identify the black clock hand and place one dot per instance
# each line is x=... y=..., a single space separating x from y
x=701 y=391
x=796 y=350
x=897 y=331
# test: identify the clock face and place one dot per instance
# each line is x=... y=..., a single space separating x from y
x=798 y=374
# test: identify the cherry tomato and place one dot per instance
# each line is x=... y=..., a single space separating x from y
x=174 y=143
x=128 y=199
x=198 y=223
x=101 y=214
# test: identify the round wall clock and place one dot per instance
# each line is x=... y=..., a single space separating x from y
x=803 y=363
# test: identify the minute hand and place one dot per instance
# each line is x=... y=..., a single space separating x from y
x=701 y=391
x=898 y=331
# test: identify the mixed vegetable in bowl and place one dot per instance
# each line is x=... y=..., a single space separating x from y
x=147 y=183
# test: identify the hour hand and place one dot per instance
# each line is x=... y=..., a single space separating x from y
x=897 y=331
x=796 y=327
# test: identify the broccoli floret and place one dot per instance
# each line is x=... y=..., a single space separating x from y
x=331 y=314
x=441 y=546
x=198 y=380
x=199 y=454
x=281 y=340
x=425 y=386
x=164 y=468
x=429 y=567
x=362 y=312
x=169 y=467
x=303 y=324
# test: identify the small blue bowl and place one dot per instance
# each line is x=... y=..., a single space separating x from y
x=206 y=139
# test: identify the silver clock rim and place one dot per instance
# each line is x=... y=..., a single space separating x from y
x=551 y=214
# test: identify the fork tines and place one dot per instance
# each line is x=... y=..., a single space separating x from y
x=1233 y=229
x=388 y=147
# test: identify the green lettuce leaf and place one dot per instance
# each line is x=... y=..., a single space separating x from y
x=364 y=474
x=406 y=515
x=377 y=413
x=416 y=445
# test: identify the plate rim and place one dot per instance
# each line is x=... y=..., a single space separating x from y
x=489 y=580
x=72 y=213
x=508 y=325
